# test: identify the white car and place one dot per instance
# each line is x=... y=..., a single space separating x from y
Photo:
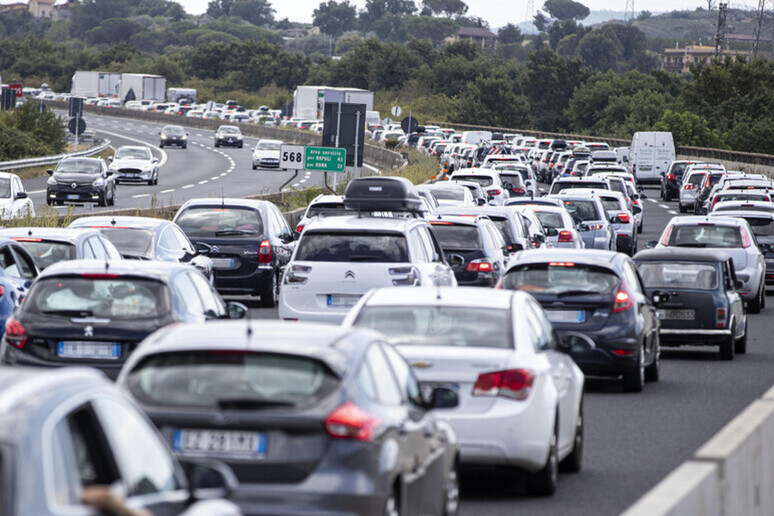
x=520 y=393
x=565 y=234
x=134 y=163
x=489 y=180
x=14 y=201
x=451 y=194
x=324 y=205
x=266 y=154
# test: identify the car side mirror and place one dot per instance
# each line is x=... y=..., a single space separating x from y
x=202 y=248
x=21 y=195
x=187 y=134
x=110 y=159
x=659 y=297
x=636 y=210
x=208 y=479
x=583 y=228
x=574 y=343
x=615 y=220
x=514 y=247
x=287 y=238
x=480 y=201
x=296 y=236
x=236 y=310
x=651 y=244
x=50 y=171
x=442 y=397
x=155 y=161
x=552 y=232
x=739 y=284
x=539 y=238
x=765 y=248
x=109 y=173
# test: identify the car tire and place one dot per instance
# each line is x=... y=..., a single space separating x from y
x=727 y=347
x=740 y=346
x=241 y=145
x=49 y=201
x=639 y=227
x=543 y=482
x=754 y=306
x=269 y=294
x=633 y=381
x=217 y=144
x=573 y=462
x=392 y=503
x=451 y=492
x=161 y=145
x=667 y=197
x=254 y=167
x=683 y=209
x=103 y=201
x=185 y=146
x=653 y=371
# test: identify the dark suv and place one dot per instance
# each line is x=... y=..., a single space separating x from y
x=673 y=179
x=229 y=135
x=81 y=180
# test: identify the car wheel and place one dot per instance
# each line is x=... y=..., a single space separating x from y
x=103 y=200
x=572 y=463
x=667 y=197
x=740 y=346
x=113 y=197
x=269 y=295
x=217 y=144
x=49 y=201
x=241 y=146
x=156 y=178
x=392 y=504
x=254 y=167
x=161 y=145
x=634 y=380
x=639 y=227
x=653 y=371
x=726 y=351
x=754 y=306
x=451 y=492
x=185 y=145
x=543 y=482
x=683 y=209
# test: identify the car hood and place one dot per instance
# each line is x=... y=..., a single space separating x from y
x=267 y=153
x=132 y=163
x=70 y=177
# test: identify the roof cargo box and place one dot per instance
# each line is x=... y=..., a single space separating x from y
x=382 y=194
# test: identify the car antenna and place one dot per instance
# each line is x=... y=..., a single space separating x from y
x=29 y=232
x=438 y=292
x=222 y=197
x=113 y=221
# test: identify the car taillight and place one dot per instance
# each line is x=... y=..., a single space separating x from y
x=721 y=317
x=292 y=275
x=689 y=186
x=622 y=302
x=634 y=168
x=479 y=266
x=596 y=227
x=299 y=228
x=745 y=238
x=667 y=235
x=671 y=177
x=517 y=190
x=635 y=202
x=714 y=201
x=623 y=217
x=566 y=236
x=351 y=422
x=515 y=384
x=264 y=252
x=494 y=191
x=15 y=334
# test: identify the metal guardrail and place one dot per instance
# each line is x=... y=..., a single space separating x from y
x=50 y=160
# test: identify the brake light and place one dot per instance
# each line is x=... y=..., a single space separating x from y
x=721 y=317
x=622 y=302
x=351 y=422
x=623 y=352
x=634 y=168
x=479 y=266
x=299 y=228
x=689 y=186
x=518 y=190
x=99 y=276
x=494 y=191
x=26 y=239
x=561 y=264
x=671 y=177
x=566 y=236
x=15 y=334
x=745 y=238
x=667 y=235
x=623 y=217
x=264 y=252
x=515 y=384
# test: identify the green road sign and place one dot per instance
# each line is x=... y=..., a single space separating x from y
x=326 y=159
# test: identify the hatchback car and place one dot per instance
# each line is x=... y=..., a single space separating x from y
x=600 y=294
x=691 y=184
x=324 y=205
x=173 y=135
x=81 y=180
x=568 y=183
x=695 y=291
x=565 y=233
x=623 y=221
x=518 y=179
x=229 y=136
x=672 y=180
x=48 y=246
x=249 y=243
x=132 y=163
x=87 y=448
x=489 y=181
x=451 y=194
x=513 y=226
x=14 y=199
x=266 y=154
x=591 y=219
x=17 y=272
x=520 y=394
x=96 y=312
x=313 y=419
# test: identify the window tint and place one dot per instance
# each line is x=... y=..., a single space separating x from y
x=555 y=278
x=8 y=263
x=688 y=275
x=386 y=389
x=350 y=247
x=706 y=235
x=406 y=380
x=187 y=295
x=418 y=246
x=631 y=278
x=457 y=236
x=212 y=304
x=26 y=266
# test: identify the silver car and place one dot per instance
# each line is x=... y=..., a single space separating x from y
x=565 y=234
x=588 y=212
x=623 y=221
x=688 y=190
x=732 y=235
x=134 y=163
x=513 y=226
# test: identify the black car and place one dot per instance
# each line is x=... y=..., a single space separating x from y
x=81 y=180
x=96 y=312
x=48 y=246
x=229 y=136
x=713 y=177
x=173 y=135
x=600 y=294
x=313 y=419
x=146 y=238
x=250 y=243
x=474 y=248
x=672 y=180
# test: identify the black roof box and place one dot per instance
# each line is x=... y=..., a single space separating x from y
x=382 y=194
x=558 y=144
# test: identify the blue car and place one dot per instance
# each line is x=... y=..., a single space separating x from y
x=17 y=271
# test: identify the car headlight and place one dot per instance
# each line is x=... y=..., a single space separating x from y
x=239 y=137
x=163 y=136
x=98 y=182
x=113 y=166
x=185 y=137
x=51 y=181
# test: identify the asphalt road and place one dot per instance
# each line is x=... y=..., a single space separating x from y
x=632 y=440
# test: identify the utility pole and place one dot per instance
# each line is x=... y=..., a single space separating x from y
x=530 y=9
x=629 y=14
x=720 y=35
x=763 y=21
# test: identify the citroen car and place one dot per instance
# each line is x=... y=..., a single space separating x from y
x=81 y=180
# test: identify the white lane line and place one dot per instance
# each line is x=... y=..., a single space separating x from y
x=200 y=135
x=140 y=195
x=673 y=212
x=652 y=200
x=663 y=206
x=188 y=186
x=163 y=154
x=295 y=184
x=215 y=177
x=204 y=182
x=302 y=181
x=167 y=191
x=35 y=192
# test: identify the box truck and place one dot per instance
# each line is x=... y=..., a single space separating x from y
x=650 y=155
x=138 y=86
x=309 y=101
x=184 y=95
x=95 y=84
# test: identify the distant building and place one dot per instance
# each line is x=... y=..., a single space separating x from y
x=680 y=60
x=50 y=9
x=18 y=7
x=479 y=35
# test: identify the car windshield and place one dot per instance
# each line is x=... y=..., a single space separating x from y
x=215 y=221
x=173 y=129
x=561 y=277
x=327 y=210
x=456 y=236
x=79 y=166
x=130 y=242
x=584 y=210
x=480 y=180
x=230 y=130
x=352 y=247
x=681 y=275
x=111 y=298
x=47 y=252
x=268 y=146
x=744 y=207
x=566 y=185
x=461 y=326
x=225 y=379
x=5 y=188
x=549 y=219
x=127 y=153
x=705 y=235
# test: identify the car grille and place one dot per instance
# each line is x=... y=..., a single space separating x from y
x=130 y=171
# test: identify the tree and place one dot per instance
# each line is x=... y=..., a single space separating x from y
x=217 y=8
x=376 y=9
x=632 y=39
x=644 y=15
x=428 y=27
x=448 y=8
x=548 y=85
x=601 y=50
x=348 y=43
x=510 y=34
x=688 y=129
x=333 y=17
x=257 y=12
x=559 y=30
x=566 y=9
x=491 y=100
x=541 y=22
x=391 y=27
x=115 y=30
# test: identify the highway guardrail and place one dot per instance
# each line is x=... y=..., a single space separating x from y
x=50 y=160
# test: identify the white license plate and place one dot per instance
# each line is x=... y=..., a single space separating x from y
x=89 y=350
x=566 y=316
x=677 y=315
x=224 y=263
x=246 y=444
x=339 y=301
x=73 y=197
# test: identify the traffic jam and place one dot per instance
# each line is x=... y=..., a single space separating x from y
x=422 y=330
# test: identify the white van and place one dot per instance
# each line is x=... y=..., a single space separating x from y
x=476 y=137
x=650 y=155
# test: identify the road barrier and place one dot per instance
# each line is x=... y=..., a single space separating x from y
x=732 y=474
x=50 y=160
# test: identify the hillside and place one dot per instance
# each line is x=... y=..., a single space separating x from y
x=695 y=25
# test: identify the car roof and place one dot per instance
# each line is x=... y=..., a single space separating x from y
x=151 y=268
x=357 y=223
x=741 y=214
x=575 y=179
x=225 y=201
x=681 y=254
x=110 y=221
x=62 y=234
x=262 y=140
x=447 y=296
x=686 y=220
x=328 y=198
x=584 y=256
x=7 y=175
x=473 y=172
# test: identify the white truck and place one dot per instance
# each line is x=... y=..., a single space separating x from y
x=95 y=84
x=309 y=101
x=650 y=155
x=181 y=94
x=139 y=86
x=476 y=137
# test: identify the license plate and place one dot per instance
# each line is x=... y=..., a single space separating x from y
x=347 y=301
x=677 y=315
x=246 y=444
x=566 y=316
x=73 y=197
x=224 y=263
x=89 y=350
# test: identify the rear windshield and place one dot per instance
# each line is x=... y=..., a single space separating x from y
x=226 y=379
x=111 y=298
x=610 y=203
x=47 y=253
x=514 y=179
x=566 y=185
x=761 y=226
x=352 y=247
x=448 y=194
x=562 y=277
x=329 y=209
x=130 y=242
x=503 y=227
x=679 y=168
x=457 y=236
x=706 y=235
x=742 y=197
x=688 y=275
x=584 y=210
x=217 y=222
x=743 y=207
x=481 y=180
x=440 y=325
x=695 y=179
x=550 y=219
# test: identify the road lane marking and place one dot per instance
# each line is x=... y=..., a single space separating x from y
x=663 y=206
x=36 y=192
x=167 y=191
x=215 y=177
x=204 y=182
x=163 y=154
x=188 y=186
x=223 y=174
x=673 y=212
x=200 y=135
x=652 y=200
x=140 y=195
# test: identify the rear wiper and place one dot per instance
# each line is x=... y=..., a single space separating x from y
x=691 y=245
x=227 y=232
x=251 y=403
x=359 y=258
x=578 y=293
x=70 y=313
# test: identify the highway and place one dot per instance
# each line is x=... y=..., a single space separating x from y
x=632 y=440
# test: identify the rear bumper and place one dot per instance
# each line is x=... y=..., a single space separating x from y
x=675 y=337
x=288 y=312
x=602 y=361
x=249 y=284
x=624 y=242
x=226 y=143
x=18 y=358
